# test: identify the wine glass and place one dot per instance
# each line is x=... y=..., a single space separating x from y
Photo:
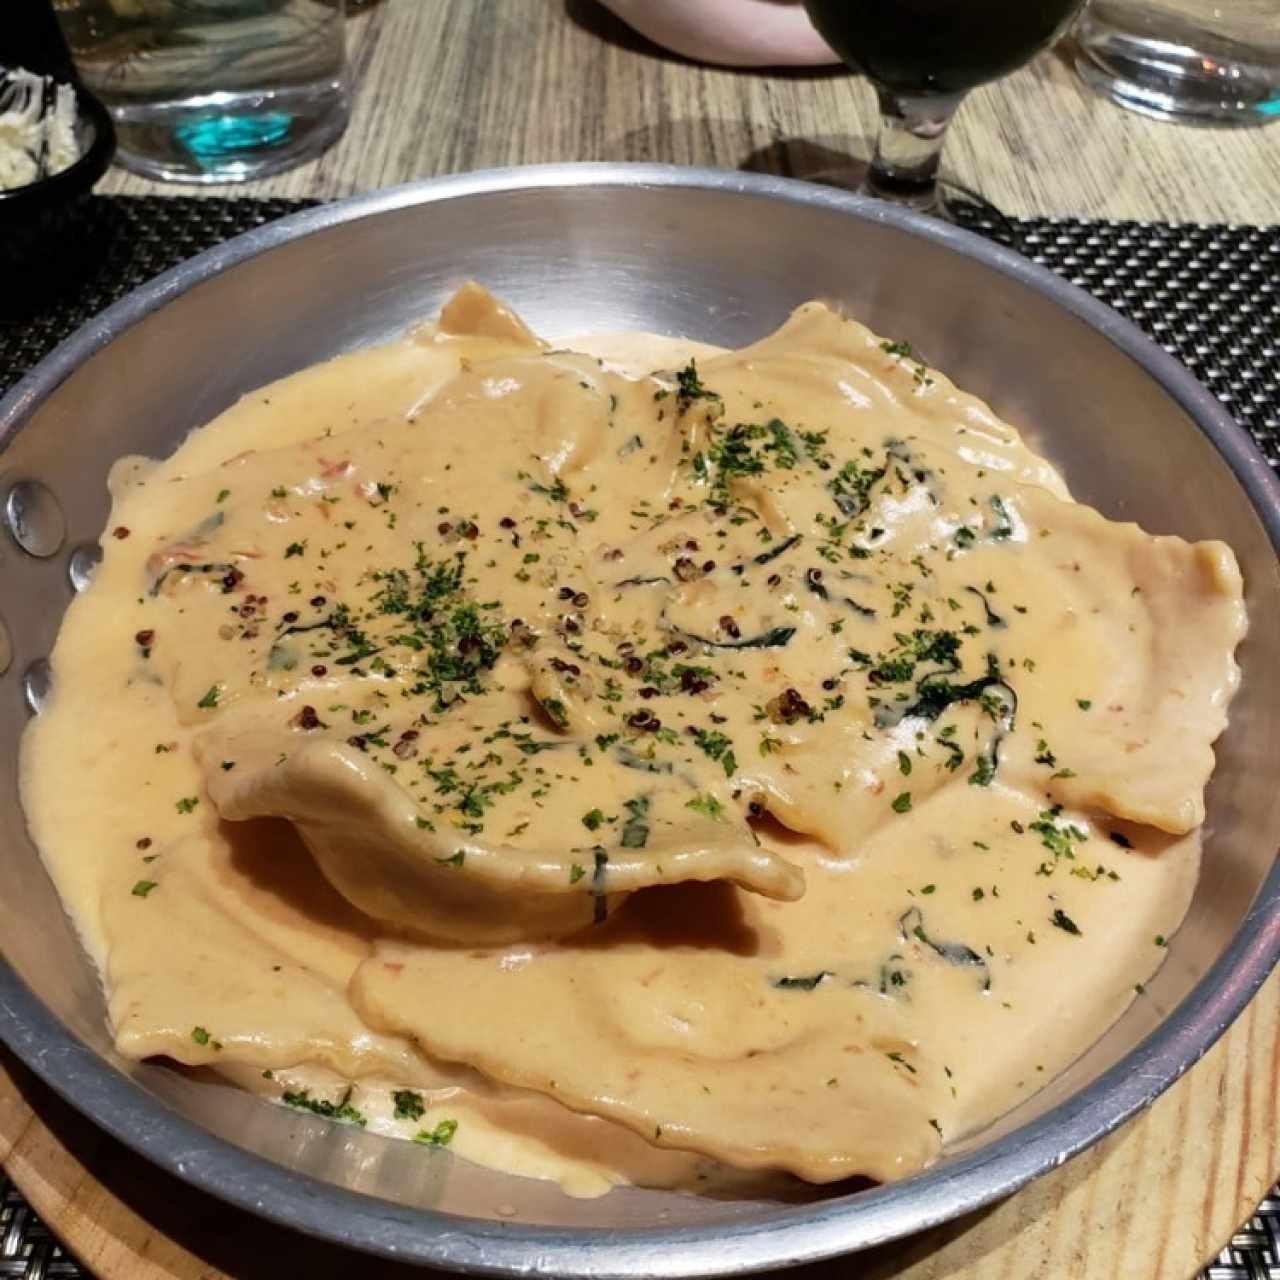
x=923 y=56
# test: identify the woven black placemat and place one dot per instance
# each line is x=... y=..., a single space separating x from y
x=1208 y=295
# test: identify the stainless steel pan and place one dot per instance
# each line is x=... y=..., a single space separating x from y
x=717 y=255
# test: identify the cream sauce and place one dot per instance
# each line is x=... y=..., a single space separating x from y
x=682 y=774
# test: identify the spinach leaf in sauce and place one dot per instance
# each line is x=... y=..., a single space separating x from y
x=813 y=580
x=601 y=907
x=635 y=831
x=800 y=984
x=773 y=638
x=911 y=925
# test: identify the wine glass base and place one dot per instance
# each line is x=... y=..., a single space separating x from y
x=948 y=200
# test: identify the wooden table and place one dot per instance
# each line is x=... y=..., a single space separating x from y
x=450 y=85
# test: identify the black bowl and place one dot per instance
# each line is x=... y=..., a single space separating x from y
x=47 y=235
x=28 y=212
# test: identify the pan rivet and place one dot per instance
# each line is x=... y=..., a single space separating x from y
x=84 y=560
x=37 y=684
x=34 y=518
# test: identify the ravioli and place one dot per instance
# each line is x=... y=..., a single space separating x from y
x=626 y=775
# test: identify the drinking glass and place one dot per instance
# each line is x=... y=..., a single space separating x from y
x=213 y=90
x=923 y=56
x=1192 y=60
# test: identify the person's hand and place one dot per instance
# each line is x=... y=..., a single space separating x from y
x=739 y=33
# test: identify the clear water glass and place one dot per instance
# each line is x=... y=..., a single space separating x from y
x=1205 y=61
x=212 y=91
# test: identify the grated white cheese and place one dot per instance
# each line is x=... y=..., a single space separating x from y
x=29 y=133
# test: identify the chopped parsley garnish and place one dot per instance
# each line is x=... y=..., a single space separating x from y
x=593 y=819
x=440 y=1136
x=1059 y=840
x=984 y=772
x=408 y=1104
x=706 y=804
x=1061 y=920
x=455 y=639
x=558 y=492
x=800 y=984
x=341 y=1110
x=142 y=887
x=187 y=804
x=719 y=748
x=851 y=486
x=689 y=387
x=902 y=803
x=200 y=1035
x=210 y=699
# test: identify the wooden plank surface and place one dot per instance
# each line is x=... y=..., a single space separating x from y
x=449 y=85
x=1153 y=1202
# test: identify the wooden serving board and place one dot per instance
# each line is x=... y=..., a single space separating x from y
x=1155 y=1201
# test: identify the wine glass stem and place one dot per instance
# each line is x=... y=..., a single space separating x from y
x=909 y=147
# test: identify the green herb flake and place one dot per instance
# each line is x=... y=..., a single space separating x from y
x=807 y=983
x=341 y=1110
x=200 y=1035
x=557 y=712
x=706 y=804
x=142 y=887
x=902 y=803
x=718 y=747
x=210 y=699
x=1062 y=921
x=408 y=1104
x=440 y=1136
x=187 y=804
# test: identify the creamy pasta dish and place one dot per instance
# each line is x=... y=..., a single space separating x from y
x=757 y=768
